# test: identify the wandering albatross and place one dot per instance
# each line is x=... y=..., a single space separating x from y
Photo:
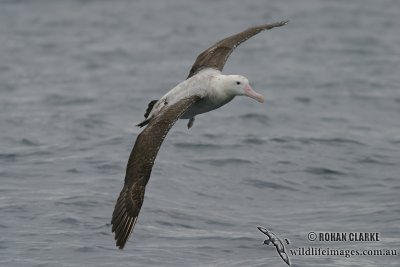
x=205 y=89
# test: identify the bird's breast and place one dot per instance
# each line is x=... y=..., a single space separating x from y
x=203 y=106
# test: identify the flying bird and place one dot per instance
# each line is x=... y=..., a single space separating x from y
x=274 y=240
x=205 y=89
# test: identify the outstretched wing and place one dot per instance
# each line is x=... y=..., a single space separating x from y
x=282 y=253
x=264 y=231
x=139 y=168
x=216 y=56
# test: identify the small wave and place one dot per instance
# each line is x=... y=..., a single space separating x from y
x=15 y=208
x=309 y=140
x=181 y=225
x=336 y=141
x=223 y=162
x=57 y=99
x=286 y=162
x=113 y=54
x=28 y=142
x=261 y=118
x=70 y=201
x=73 y=170
x=191 y=167
x=85 y=249
x=375 y=160
x=254 y=141
x=91 y=122
x=71 y=221
x=8 y=157
x=12 y=157
x=323 y=171
x=109 y=168
x=302 y=99
x=338 y=187
x=335 y=119
x=174 y=214
x=282 y=139
x=207 y=195
x=213 y=136
x=267 y=184
x=197 y=146
x=114 y=140
x=224 y=223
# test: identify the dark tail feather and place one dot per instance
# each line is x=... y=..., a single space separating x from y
x=143 y=123
x=149 y=108
x=146 y=115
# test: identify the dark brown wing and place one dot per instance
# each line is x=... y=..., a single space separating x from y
x=139 y=168
x=216 y=56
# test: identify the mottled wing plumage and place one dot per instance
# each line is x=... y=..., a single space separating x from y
x=139 y=168
x=274 y=240
x=216 y=56
x=264 y=231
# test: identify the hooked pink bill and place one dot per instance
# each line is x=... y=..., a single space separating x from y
x=253 y=94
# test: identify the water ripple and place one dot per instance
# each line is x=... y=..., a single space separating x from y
x=69 y=220
x=8 y=157
x=260 y=118
x=224 y=161
x=198 y=145
x=334 y=141
x=378 y=160
x=57 y=99
x=267 y=184
x=255 y=140
x=324 y=171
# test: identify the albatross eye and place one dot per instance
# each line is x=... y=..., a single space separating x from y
x=237 y=83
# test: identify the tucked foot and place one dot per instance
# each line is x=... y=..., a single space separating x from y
x=190 y=123
x=268 y=242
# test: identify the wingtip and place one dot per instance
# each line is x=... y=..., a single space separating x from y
x=282 y=23
x=120 y=247
x=262 y=229
x=120 y=243
x=273 y=25
x=122 y=235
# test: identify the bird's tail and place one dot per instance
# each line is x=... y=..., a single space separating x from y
x=143 y=123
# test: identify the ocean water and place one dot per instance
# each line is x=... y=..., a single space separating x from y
x=321 y=155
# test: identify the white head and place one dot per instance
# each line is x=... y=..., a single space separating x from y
x=238 y=85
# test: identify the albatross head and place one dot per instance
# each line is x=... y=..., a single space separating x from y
x=239 y=85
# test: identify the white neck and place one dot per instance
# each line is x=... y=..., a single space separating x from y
x=219 y=90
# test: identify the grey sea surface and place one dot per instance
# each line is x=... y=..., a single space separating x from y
x=321 y=155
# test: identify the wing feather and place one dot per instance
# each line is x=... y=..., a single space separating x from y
x=139 y=168
x=216 y=56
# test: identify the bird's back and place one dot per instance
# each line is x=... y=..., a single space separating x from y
x=199 y=84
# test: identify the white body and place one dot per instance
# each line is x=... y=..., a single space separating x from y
x=214 y=88
x=201 y=84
